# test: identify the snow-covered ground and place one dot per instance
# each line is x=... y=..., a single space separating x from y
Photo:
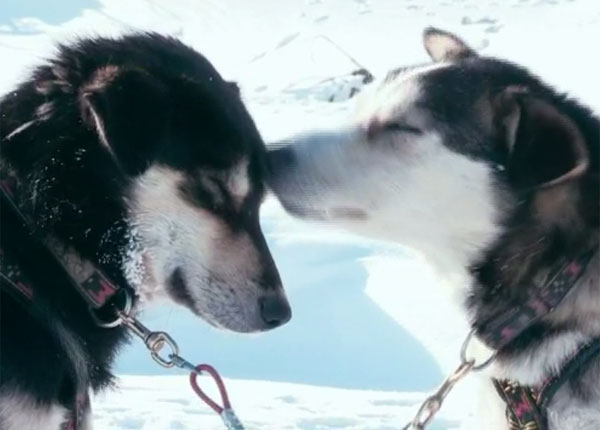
x=365 y=317
x=162 y=402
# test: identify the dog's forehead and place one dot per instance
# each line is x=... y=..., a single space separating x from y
x=397 y=94
x=239 y=180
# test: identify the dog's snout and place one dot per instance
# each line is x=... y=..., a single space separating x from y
x=281 y=159
x=275 y=310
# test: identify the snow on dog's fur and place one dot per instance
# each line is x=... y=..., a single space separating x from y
x=133 y=155
x=489 y=172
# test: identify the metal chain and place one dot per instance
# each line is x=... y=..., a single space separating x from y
x=156 y=341
x=432 y=404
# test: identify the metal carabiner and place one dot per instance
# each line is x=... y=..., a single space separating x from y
x=155 y=341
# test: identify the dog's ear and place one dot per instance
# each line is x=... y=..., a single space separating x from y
x=444 y=46
x=544 y=146
x=128 y=109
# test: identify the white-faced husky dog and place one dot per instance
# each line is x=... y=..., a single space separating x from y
x=494 y=176
x=134 y=158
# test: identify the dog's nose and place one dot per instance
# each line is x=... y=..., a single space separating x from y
x=275 y=310
x=281 y=158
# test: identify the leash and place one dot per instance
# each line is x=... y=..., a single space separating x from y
x=103 y=298
x=156 y=341
x=526 y=408
x=226 y=412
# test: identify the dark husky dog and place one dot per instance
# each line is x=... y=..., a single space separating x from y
x=134 y=156
x=494 y=176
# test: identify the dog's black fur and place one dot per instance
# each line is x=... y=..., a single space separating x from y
x=161 y=103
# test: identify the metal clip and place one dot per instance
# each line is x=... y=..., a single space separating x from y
x=117 y=320
x=231 y=420
x=155 y=341
x=182 y=363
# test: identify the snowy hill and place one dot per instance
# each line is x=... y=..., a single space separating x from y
x=365 y=316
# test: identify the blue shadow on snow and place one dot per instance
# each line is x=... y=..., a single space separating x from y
x=337 y=337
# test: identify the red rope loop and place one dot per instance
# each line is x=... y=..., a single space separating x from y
x=220 y=385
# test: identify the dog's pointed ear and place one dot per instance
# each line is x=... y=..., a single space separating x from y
x=544 y=146
x=128 y=109
x=444 y=46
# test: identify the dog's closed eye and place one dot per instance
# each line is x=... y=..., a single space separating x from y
x=216 y=189
x=399 y=127
x=207 y=191
x=375 y=128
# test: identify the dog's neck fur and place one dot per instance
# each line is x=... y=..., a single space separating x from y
x=547 y=227
x=74 y=230
x=575 y=322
